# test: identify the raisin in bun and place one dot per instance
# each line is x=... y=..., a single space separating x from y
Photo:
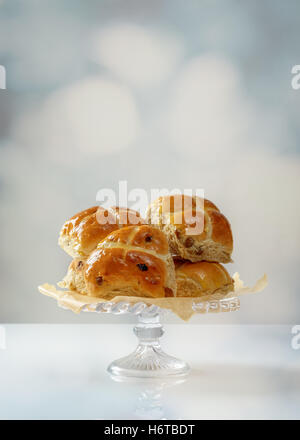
x=132 y=261
x=203 y=278
x=80 y=234
x=195 y=228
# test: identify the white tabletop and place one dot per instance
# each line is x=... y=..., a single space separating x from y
x=238 y=372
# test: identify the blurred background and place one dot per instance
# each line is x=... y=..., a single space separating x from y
x=162 y=94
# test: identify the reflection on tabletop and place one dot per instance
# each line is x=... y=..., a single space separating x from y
x=149 y=397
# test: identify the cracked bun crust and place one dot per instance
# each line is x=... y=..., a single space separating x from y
x=195 y=228
x=80 y=234
x=132 y=261
x=200 y=279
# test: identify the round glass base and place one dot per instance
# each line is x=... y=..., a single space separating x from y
x=148 y=361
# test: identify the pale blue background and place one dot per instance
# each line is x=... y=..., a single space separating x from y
x=162 y=94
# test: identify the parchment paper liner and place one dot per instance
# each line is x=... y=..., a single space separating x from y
x=182 y=307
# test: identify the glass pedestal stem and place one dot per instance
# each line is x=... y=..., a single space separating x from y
x=148 y=359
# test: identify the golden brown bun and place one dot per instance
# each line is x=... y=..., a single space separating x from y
x=214 y=240
x=199 y=279
x=132 y=261
x=80 y=235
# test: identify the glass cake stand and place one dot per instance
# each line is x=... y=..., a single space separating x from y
x=148 y=360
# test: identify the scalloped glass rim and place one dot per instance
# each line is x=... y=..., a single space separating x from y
x=124 y=307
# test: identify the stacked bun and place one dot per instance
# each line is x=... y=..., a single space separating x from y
x=115 y=252
x=81 y=234
x=177 y=216
x=203 y=278
x=200 y=238
x=132 y=261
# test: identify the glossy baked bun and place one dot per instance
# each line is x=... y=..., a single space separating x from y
x=132 y=261
x=203 y=278
x=80 y=235
x=195 y=228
